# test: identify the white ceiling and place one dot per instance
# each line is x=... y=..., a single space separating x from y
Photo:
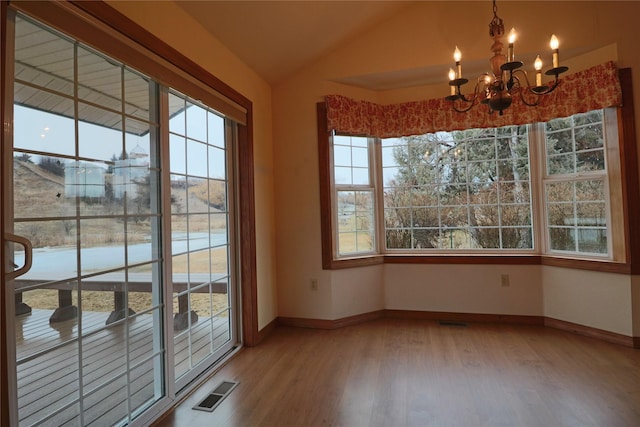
x=277 y=38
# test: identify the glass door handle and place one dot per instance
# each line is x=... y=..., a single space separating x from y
x=28 y=252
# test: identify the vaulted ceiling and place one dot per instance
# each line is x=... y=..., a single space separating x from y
x=277 y=38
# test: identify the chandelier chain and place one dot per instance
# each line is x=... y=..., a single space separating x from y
x=496 y=26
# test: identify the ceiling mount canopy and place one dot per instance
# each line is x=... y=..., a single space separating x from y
x=506 y=79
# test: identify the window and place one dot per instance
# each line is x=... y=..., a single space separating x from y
x=536 y=190
x=354 y=195
x=458 y=190
x=576 y=196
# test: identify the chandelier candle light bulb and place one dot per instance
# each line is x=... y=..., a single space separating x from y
x=457 y=56
x=554 y=46
x=512 y=39
x=538 y=66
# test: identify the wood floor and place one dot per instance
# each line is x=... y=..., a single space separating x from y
x=393 y=372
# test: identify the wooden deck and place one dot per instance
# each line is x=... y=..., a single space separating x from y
x=118 y=361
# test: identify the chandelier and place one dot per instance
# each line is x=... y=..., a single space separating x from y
x=496 y=89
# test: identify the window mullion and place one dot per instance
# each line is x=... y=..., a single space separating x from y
x=378 y=195
x=538 y=173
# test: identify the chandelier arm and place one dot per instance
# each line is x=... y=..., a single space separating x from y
x=476 y=94
x=460 y=97
x=465 y=99
x=524 y=89
x=471 y=102
x=544 y=90
x=524 y=101
x=464 y=110
x=524 y=73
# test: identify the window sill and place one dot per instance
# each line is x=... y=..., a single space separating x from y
x=606 y=266
x=360 y=261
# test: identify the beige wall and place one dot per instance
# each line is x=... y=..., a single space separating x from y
x=424 y=36
x=464 y=289
x=169 y=23
x=594 y=299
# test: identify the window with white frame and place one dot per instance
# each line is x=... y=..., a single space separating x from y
x=354 y=195
x=575 y=184
x=472 y=192
x=458 y=190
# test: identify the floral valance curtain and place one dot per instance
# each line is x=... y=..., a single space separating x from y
x=595 y=88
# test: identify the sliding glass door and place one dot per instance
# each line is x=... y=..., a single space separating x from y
x=117 y=193
x=201 y=230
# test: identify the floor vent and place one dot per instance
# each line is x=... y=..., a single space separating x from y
x=452 y=323
x=214 y=398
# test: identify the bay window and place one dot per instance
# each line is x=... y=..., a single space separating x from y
x=417 y=186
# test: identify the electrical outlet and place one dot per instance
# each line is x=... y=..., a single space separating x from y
x=504 y=280
x=314 y=284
